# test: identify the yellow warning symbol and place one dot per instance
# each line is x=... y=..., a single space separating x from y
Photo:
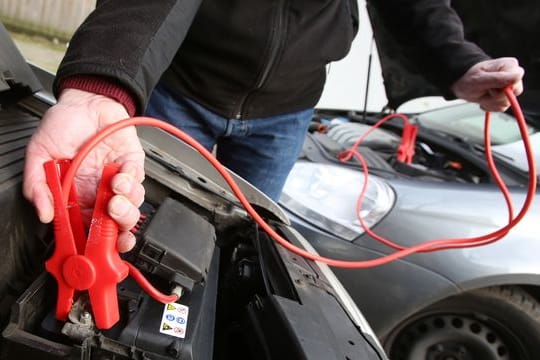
x=166 y=327
x=170 y=307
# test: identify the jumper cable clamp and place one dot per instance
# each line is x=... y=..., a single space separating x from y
x=79 y=263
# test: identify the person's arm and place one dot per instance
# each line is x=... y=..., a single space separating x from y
x=446 y=58
x=64 y=128
x=484 y=81
x=443 y=55
x=129 y=42
x=114 y=60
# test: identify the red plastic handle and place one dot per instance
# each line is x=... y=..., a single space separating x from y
x=64 y=242
x=102 y=253
x=405 y=152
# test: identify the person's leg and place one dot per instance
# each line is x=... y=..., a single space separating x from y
x=201 y=124
x=263 y=151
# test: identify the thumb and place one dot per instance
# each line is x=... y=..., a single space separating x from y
x=35 y=188
x=42 y=199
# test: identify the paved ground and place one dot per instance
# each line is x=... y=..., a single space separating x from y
x=39 y=51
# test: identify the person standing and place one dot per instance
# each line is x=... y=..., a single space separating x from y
x=240 y=75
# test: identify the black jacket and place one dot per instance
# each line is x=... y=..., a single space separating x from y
x=249 y=58
x=500 y=28
x=506 y=29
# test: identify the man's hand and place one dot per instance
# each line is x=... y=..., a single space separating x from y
x=64 y=128
x=483 y=83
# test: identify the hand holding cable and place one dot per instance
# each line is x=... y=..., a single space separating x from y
x=77 y=116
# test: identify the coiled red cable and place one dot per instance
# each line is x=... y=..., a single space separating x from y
x=472 y=241
x=400 y=253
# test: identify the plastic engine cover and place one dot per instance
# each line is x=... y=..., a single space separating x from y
x=178 y=245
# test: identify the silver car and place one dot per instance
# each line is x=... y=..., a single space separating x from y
x=476 y=303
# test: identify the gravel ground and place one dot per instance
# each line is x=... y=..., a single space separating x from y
x=39 y=51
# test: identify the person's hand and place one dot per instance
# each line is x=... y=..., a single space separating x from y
x=483 y=83
x=64 y=128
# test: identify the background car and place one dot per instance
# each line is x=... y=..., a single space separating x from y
x=243 y=296
x=477 y=303
x=447 y=192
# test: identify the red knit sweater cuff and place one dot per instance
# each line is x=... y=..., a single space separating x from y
x=100 y=85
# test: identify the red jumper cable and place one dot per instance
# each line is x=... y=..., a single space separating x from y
x=405 y=151
x=401 y=253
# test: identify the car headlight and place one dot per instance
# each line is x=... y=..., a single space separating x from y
x=325 y=196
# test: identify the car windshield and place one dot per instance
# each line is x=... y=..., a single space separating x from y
x=466 y=122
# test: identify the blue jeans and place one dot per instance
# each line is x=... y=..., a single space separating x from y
x=262 y=151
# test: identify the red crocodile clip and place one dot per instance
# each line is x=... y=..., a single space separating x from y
x=405 y=152
x=78 y=263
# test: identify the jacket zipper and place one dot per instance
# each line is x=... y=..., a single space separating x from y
x=275 y=45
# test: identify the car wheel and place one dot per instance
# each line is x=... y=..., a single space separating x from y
x=496 y=323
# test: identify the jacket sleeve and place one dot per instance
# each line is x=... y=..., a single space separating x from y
x=129 y=42
x=436 y=32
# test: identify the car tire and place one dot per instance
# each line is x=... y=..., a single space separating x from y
x=495 y=323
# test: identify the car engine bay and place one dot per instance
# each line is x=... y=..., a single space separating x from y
x=438 y=156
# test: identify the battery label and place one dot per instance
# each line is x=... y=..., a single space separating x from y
x=174 y=320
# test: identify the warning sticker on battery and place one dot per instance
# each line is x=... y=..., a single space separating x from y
x=174 y=320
